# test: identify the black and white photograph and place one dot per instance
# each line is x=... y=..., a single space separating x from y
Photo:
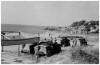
x=49 y=32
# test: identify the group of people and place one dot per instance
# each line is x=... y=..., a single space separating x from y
x=49 y=48
x=73 y=41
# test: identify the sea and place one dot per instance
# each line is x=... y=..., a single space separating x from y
x=31 y=29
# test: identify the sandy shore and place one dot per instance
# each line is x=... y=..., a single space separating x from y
x=10 y=54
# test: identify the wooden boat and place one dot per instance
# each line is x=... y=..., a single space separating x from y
x=18 y=41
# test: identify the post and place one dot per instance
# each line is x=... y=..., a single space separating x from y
x=38 y=36
x=20 y=35
x=50 y=36
x=2 y=49
x=38 y=49
x=19 y=45
x=2 y=43
x=18 y=50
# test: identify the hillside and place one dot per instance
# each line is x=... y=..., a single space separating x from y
x=91 y=26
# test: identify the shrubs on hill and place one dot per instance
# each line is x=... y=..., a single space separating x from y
x=88 y=25
x=74 y=24
x=85 y=23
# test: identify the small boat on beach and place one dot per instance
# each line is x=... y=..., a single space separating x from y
x=16 y=38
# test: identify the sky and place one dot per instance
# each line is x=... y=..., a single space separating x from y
x=48 y=13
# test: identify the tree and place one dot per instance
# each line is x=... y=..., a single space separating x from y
x=82 y=22
x=74 y=24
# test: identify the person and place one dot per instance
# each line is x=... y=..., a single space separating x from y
x=56 y=47
x=23 y=46
x=65 y=42
x=40 y=50
x=71 y=42
x=83 y=41
x=78 y=42
x=31 y=47
x=74 y=41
